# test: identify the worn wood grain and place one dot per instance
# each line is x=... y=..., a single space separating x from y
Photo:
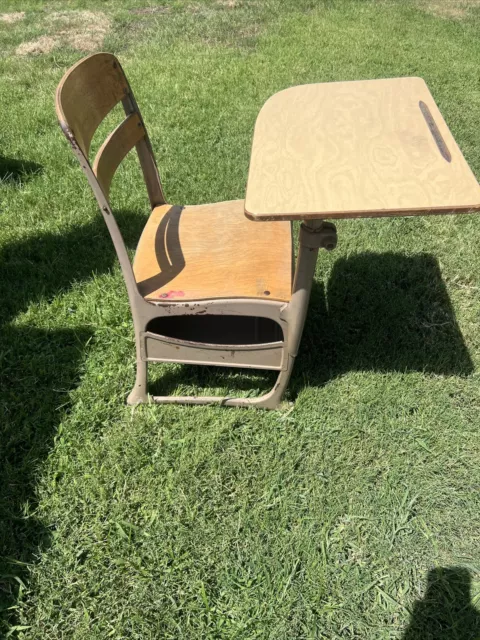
x=87 y=93
x=352 y=149
x=213 y=251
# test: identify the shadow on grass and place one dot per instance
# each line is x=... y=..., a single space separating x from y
x=17 y=171
x=380 y=312
x=38 y=370
x=446 y=611
x=43 y=265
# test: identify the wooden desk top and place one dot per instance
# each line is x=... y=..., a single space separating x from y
x=356 y=149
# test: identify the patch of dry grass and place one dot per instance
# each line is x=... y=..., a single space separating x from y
x=10 y=18
x=82 y=30
x=44 y=44
x=456 y=9
x=229 y=4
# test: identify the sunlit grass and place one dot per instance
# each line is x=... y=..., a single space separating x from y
x=321 y=521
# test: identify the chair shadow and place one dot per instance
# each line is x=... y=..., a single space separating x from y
x=445 y=612
x=17 y=171
x=38 y=370
x=381 y=312
x=168 y=252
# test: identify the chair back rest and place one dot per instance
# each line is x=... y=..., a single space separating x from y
x=86 y=94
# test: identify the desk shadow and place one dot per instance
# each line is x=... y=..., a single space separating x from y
x=445 y=612
x=17 y=171
x=253 y=381
x=382 y=312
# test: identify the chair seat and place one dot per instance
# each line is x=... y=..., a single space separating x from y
x=213 y=251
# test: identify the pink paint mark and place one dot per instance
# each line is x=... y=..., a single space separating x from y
x=172 y=294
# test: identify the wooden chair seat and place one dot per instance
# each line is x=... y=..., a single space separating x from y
x=212 y=251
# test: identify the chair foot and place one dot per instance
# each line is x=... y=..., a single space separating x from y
x=139 y=392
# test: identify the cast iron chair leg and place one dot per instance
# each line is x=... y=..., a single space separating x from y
x=139 y=391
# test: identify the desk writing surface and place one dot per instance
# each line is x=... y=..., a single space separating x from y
x=354 y=149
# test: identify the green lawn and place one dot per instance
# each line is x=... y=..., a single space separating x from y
x=355 y=513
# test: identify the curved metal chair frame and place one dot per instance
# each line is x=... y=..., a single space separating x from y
x=85 y=95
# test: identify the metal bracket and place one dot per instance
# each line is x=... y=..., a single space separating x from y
x=323 y=236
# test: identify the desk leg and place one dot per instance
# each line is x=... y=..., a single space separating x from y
x=314 y=234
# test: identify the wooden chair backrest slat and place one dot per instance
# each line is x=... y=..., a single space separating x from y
x=115 y=148
x=87 y=93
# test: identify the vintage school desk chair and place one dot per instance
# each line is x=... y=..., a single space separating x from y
x=210 y=286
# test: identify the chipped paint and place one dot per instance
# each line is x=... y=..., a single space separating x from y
x=171 y=294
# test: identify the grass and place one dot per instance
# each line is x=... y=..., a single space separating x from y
x=353 y=514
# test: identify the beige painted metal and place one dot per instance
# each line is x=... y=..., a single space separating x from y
x=86 y=94
x=356 y=149
x=259 y=356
